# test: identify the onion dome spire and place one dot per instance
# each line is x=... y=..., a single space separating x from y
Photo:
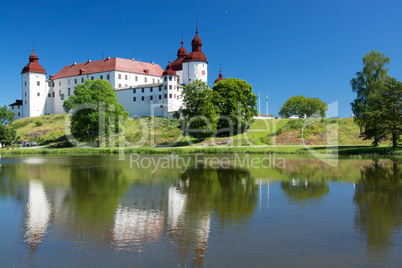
x=220 y=77
x=33 y=65
x=169 y=70
x=196 y=53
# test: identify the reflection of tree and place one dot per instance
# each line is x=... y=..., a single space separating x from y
x=94 y=195
x=301 y=191
x=378 y=197
x=231 y=192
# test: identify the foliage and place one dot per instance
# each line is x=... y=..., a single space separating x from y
x=377 y=107
x=38 y=123
x=7 y=134
x=198 y=113
x=301 y=105
x=236 y=102
x=6 y=115
x=97 y=107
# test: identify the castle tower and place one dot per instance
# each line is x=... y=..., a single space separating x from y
x=34 y=88
x=220 y=78
x=171 y=90
x=177 y=65
x=195 y=64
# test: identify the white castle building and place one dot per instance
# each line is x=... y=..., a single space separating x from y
x=143 y=89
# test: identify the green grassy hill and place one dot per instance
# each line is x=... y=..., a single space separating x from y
x=49 y=130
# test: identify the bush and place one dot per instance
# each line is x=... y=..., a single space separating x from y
x=20 y=124
x=38 y=123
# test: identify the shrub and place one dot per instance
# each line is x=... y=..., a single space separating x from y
x=38 y=123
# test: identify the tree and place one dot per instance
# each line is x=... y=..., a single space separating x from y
x=97 y=106
x=7 y=132
x=6 y=115
x=198 y=112
x=301 y=105
x=377 y=106
x=374 y=71
x=236 y=102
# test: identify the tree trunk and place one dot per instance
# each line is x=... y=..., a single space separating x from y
x=198 y=137
x=394 y=140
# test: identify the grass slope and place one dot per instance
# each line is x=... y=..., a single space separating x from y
x=49 y=130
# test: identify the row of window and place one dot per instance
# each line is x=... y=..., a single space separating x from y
x=12 y=107
x=174 y=96
x=151 y=89
x=136 y=79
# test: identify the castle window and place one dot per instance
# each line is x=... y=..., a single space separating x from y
x=25 y=94
x=19 y=113
x=134 y=99
x=108 y=77
x=160 y=88
x=59 y=92
x=126 y=77
x=48 y=84
x=170 y=86
x=38 y=83
x=151 y=90
x=158 y=80
x=153 y=81
x=49 y=95
x=119 y=76
x=25 y=102
x=178 y=79
x=59 y=83
x=165 y=96
x=68 y=81
x=203 y=72
x=75 y=81
x=12 y=107
x=82 y=80
x=151 y=98
x=174 y=96
x=53 y=94
x=134 y=90
x=136 y=79
x=142 y=98
x=189 y=79
x=165 y=78
x=177 y=97
x=62 y=96
x=38 y=94
x=174 y=87
x=25 y=83
x=69 y=91
x=119 y=85
x=101 y=77
x=142 y=90
x=126 y=85
x=174 y=78
x=165 y=86
x=92 y=78
x=170 y=96
x=160 y=97
x=145 y=79
x=52 y=84
x=170 y=78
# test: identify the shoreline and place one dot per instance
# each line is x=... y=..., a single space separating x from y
x=360 y=151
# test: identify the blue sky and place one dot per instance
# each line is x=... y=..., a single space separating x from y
x=282 y=48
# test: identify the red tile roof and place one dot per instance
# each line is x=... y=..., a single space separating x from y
x=111 y=64
x=33 y=65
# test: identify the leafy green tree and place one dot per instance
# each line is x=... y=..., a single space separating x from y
x=95 y=108
x=6 y=115
x=237 y=104
x=383 y=114
x=301 y=105
x=7 y=132
x=365 y=83
x=198 y=113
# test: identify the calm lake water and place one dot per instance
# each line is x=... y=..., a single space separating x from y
x=199 y=211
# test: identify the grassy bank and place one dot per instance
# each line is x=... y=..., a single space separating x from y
x=152 y=135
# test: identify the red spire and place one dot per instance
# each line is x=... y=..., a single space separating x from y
x=33 y=65
x=169 y=70
x=220 y=77
x=196 y=53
